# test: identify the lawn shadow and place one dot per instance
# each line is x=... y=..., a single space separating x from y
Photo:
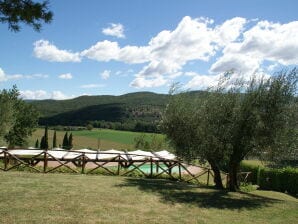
x=207 y=197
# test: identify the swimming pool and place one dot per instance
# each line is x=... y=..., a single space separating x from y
x=146 y=168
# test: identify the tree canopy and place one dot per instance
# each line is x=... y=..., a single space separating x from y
x=31 y=13
x=233 y=120
x=18 y=119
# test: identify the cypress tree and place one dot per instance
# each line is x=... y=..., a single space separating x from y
x=55 y=140
x=37 y=144
x=46 y=138
x=70 y=145
x=65 y=143
x=42 y=143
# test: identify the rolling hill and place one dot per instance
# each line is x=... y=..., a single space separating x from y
x=140 y=111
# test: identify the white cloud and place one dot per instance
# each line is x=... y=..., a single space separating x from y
x=115 y=29
x=42 y=94
x=91 y=86
x=105 y=74
x=44 y=50
x=241 y=46
x=5 y=77
x=264 y=41
x=202 y=81
x=143 y=82
x=34 y=95
x=102 y=51
x=65 y=76
x=58 y=95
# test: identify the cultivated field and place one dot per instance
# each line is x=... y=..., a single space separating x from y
x=105 y=138
x=65 y=198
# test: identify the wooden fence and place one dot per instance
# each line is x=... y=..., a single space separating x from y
x=113 y=163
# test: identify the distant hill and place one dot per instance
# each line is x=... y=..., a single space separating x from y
x=139 y=111
x=53 y=107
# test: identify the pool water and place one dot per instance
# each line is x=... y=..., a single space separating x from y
x=146 y=168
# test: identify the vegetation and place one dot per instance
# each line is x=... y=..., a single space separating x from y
x=277 y=179
x=132 y=112
x=105 y=199
x=31 y=13
x=233 y=120
x=108 y=139
x=18 y=119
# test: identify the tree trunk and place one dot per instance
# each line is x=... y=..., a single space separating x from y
x=217 y=176
x=233 y=179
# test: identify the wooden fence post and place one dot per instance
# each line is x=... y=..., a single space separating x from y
x=208 y=177
x=179 y=168
x=151 y=167
x=45 y=160
x=5 y=159
x=118 y=171
x=83 y=163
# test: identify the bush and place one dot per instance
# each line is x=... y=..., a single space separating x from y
x=283 y=180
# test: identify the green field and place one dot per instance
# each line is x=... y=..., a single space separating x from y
x=65 y=198
x=105 y=138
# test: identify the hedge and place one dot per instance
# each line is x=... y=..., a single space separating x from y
x=283 y=180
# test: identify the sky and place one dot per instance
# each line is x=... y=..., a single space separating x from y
x=114 y=47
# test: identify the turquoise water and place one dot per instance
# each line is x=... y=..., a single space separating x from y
x=147 y=167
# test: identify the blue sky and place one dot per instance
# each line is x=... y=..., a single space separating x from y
x=115 y=47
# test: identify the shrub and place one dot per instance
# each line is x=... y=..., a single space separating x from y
x=283 y=180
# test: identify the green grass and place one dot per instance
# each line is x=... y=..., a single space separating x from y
x=124 y=137
x=89 y=139
x=255 y=162
x=65 y=198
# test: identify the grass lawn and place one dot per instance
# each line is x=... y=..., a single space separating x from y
x=124 y=137
x=66 y=198
x=89 y=139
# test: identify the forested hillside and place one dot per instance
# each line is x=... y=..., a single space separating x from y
x=139 y=111
x=134 y=111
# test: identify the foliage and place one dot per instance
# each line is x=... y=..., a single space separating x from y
x=37 y=143
x=283 y=180
x=142 y=142
x=70 y=141
x=233 y=120
x=139 y=112
x=55 y=140
x=26 y=11
x=18 y=119
x=65 y=143
x=44 y=143
x=89 y=127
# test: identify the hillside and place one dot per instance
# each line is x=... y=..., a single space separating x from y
x=134 y=111
x=49 y=108
x=138 y=111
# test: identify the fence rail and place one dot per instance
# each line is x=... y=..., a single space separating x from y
x=88 y=162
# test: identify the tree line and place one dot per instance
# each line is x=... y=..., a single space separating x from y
x=44 y=142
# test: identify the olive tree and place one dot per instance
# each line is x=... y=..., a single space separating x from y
x=229 y=122
x=17 y=118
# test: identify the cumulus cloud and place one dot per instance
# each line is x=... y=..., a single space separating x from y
x=65 y=76
x=237 y=45
x=34 y=95
x=105 y=74
x=44 y=50
x=115 y=30
x=42 y=94
x=264 y=41
x=102 y=51
x=202 y=81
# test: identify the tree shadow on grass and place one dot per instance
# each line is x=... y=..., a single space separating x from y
x=207 y=197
